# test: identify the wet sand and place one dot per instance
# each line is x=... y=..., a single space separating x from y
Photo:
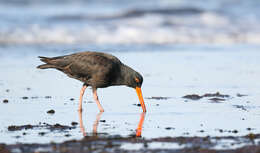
x=190 y=97
x=99 y=143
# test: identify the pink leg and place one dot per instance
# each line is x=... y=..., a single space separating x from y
x=97 y=101
x=81 y=96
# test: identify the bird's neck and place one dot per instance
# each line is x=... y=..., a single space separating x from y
x=125 y=75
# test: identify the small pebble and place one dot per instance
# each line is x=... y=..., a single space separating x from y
x=24 y=97
x=102 y=121
x=137 y=105
x=241 y=95
x=249 y=129
x=41 y=133
x=5 y=101
x=51 y=111
x=186 y=133
x=169 y=128
x=74 y=123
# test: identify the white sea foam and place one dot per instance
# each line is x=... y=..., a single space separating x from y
x=206 y=27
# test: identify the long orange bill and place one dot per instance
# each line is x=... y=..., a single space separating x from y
x=140 y=96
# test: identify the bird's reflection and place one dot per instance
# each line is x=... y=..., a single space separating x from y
x=82 y=128
x=140 y=125
x=95 y=125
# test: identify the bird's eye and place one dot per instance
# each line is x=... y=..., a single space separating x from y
x=137 y=80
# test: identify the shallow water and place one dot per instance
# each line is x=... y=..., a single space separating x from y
x=172 y=73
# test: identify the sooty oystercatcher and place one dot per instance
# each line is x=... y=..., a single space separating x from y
x=98 y=70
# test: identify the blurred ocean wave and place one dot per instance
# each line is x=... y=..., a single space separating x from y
x=129 y=22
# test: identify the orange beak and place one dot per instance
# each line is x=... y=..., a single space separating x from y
x=140 y=96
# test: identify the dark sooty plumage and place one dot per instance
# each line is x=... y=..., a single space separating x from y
x=96 y=69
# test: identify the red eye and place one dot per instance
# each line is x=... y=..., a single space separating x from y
x=137 y=80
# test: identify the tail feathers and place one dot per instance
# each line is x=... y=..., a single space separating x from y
x=51 y=62
x=46 y=66
x=44 y=59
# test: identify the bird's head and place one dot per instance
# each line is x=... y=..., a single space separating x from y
x=136 y=80
x=133 y=79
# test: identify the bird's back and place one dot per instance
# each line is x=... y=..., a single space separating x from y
x=93 y=68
